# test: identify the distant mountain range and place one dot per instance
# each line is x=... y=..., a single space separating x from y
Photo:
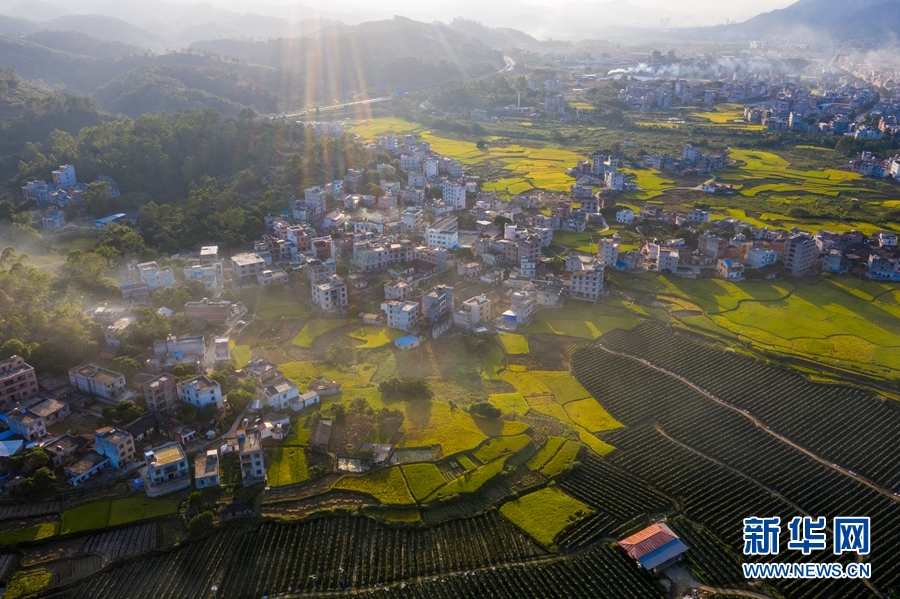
x=838 y=19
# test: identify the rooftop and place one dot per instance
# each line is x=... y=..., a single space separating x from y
x=249 y=440
x=111 y=435
x=165 y=454
x=206 y=465
x=653 y=545
x=86 y=464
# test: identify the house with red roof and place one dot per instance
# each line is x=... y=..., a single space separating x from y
x=655 y=547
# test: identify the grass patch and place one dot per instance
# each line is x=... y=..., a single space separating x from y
x=591 y=415
x=509 y=403
x=30 y=534
x=27 y=582
x=563 y=385
x=471 y=481
x=90 y=516
x=431 y=423
x=288 y=467
x=563 y=459
x=317 y=327
x=299 y=435
x=367 y=371
x=493 y=364
x=502 y=446
x=514 y=344
x=423 y=479
x=386 y=485
x=400 y=516
x=375 y=336
x=134 y=509
x=299 y=372
x=525 y=383
x=546 y=453
x=241 y=354
x=545 y=513
x=597 y=446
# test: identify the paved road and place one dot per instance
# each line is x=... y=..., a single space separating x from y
x=510 y=65
x=337 y=106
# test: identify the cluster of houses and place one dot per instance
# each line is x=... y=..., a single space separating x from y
x=732 y=246
x=32 y=406
x=691 y=162
x=63 y=192
x=871 y=166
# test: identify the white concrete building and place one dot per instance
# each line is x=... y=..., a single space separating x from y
x=454 y=194
x=609 y=249
x=625 y=216
x=247 y=266
x=200 y=392
x=587 y=284
x=443 y=233
x=331 y=293
x=279 y=394
x=473 y=312
x=401 y=315
x=64 y=176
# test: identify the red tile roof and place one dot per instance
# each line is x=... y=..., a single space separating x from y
x=648 y=540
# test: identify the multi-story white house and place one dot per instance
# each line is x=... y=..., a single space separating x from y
x=625 y=216
x=99 y=381
x=253 y=462
x=166 y=469
x=26 y=423
x=800 y=252
x=609 y=249
x=247 y=266
x=200 y=392
x=279 y=394
x=587 y=284
x=473 y=312
x=155 y=276
x=401 y=315
x=454 y=194
x=206 y=469
x=758 y=257
x=443 y=233
x=115 y=444
x=331 y=293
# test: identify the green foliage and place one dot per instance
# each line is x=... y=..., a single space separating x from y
x=30 y=534
x=545 y=513
x=485 y=409
x=201 y=525
x=406 y=387
x=124 y=411
x=239 y=399
x=28 y=461
x=126 y=366
x=27 y=582
x=90 y=516
x=288 y=467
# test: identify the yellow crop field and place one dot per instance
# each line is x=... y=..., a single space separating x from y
x=545 y=513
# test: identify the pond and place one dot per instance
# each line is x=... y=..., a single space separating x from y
x=352 y=465
x=406 y=456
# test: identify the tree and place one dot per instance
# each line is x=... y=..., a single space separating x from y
x=43 y=482
x=501 y=221
x=239 y=399
x=481 y=145
x=360 y=404
x=485 y=410
x=96 y=199
x=409 y=387
x=126 y=366
x=14 y=347
x=201 y=525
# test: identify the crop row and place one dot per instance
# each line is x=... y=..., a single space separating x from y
x=850 y=426
x=122 y=542
x=186 y=572
x=717 y=498
x=356 y=551
x=612 y=491
x=604 y=572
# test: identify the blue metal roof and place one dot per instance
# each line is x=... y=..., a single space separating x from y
x=673 y=548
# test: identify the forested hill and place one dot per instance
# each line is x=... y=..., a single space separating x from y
x=268 y=76
x=130 y=81
x=399 y=53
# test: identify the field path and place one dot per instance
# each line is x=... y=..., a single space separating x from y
x=741 y=592
x=758 y=424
